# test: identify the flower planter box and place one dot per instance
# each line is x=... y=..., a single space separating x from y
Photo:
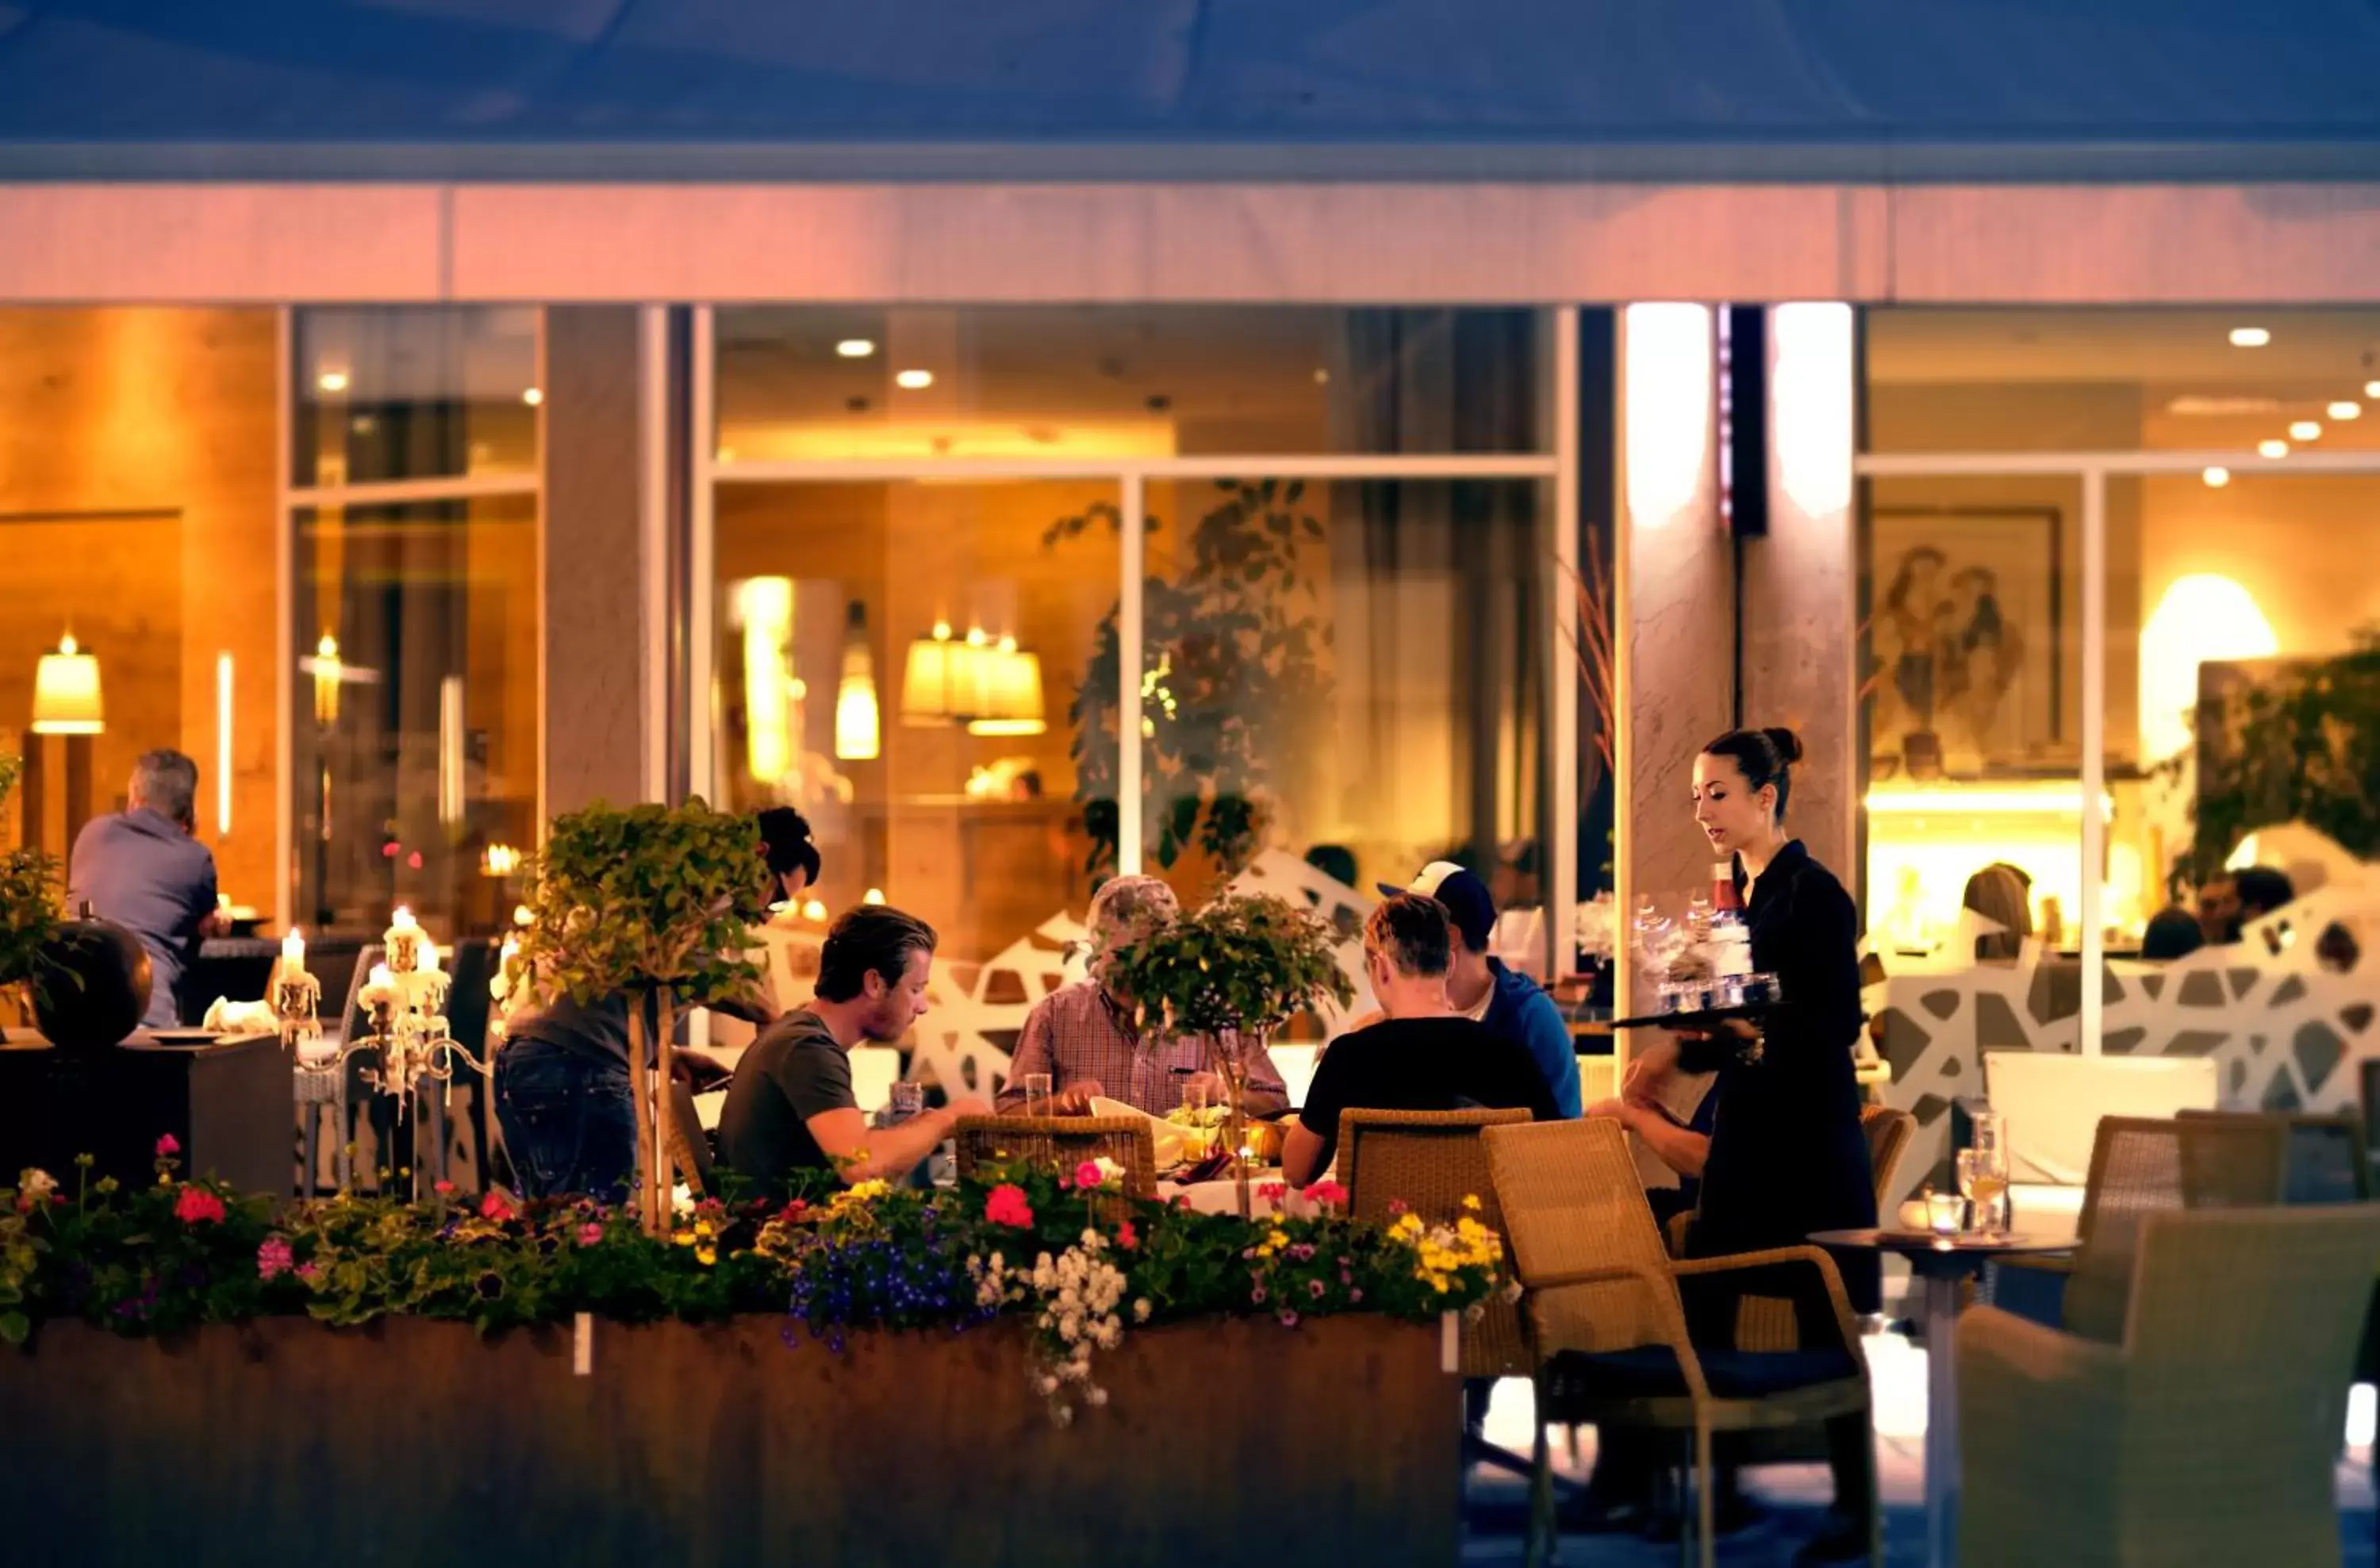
x=415 y=1442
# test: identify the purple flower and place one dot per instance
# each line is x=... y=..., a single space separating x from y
x=1303 y=1251
x=1355 y=1296
x=1257 y=1296
x=491 y=1286
x=1314 y=1289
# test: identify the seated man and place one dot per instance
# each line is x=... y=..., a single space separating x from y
x=141 y=868
x=1424 y=1056
x=791 y=1110
x=1083 y=1035
x=1481 y=987
x=1682 y=1145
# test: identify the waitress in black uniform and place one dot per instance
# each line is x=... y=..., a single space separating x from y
x=1787 y=1153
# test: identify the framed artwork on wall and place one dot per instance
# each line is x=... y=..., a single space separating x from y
x=1967 y=666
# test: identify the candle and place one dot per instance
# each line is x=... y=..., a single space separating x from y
x=405 y=941
x=293 y=950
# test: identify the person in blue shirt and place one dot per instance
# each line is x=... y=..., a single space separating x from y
x=1481 y=987
x=141 y=868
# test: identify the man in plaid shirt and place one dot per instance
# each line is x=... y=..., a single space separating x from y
x=1084 y=1039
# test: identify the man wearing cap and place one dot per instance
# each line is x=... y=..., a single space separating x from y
x=1481 y=987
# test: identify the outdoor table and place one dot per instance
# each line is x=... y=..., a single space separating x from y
x=1941 y=1261
x=1223 y=1196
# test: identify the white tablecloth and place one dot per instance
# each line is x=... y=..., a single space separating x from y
x=1223 y=1198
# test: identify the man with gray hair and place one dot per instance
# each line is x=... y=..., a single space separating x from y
x=141 y=868
x=1083 y=1036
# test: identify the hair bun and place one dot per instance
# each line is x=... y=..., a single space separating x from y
x=1788 y=744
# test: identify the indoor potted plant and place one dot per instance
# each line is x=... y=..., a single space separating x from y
x=656 y=902
x=1231 y=973
x=29 y=909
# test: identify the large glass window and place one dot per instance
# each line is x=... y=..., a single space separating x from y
x=137 y=511
x=1059 y=382
x=416 y=745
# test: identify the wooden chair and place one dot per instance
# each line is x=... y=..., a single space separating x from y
x=2206 y=1433
x=1888 y=1136
x=1060 y=1143
x=1605 y=1324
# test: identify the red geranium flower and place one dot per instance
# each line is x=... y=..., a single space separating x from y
x=1006 y=1205
x=493 y=1206
x=168 y=1145
x=197 y=1205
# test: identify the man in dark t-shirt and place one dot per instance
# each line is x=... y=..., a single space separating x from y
x=1424 y=1056
x=791 y=1110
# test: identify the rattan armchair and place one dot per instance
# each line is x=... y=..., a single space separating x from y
x=1606 y=1323
x=2206 y=1434
x=1060 y=1143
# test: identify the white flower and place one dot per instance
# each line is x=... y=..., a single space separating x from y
x=1095 y=1396
x=1141 y=1309
x=1110 y=1172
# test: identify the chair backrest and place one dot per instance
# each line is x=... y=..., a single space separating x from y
x=1571 y=1202
x=1060 y=1143
x=2272 y=1297
x=2055 y=1103
x=1889 y=1132
x=2326 y=1157
x=2144 y=1166
x=1429 y=1160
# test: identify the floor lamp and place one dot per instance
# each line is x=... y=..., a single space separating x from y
x=67 y=703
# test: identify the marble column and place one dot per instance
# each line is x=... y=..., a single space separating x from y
x=1675 y=607
x=1801 y=578
x=594 y=560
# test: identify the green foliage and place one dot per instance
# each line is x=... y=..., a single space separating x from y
x=1231 y=676
x=150 y=1260
x=29 y=897
x=2304 y=746
x=1241 y=964
x=653 y=895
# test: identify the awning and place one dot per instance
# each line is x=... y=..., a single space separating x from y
x=1712 y=91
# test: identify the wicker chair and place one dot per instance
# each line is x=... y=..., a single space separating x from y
x=1606 y=1326
x=1889 y=1134
x=1060 y=1143
x=2326 y=1157
x=2206 y=1435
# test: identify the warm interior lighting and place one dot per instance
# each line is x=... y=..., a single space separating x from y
x=331 y=380
x=2202 y=616
x=1667 y=411
x=765 y=606
x=2305 y=429
x=532 y=396
x=2272 y=449
x=65 y=692
x=873 y=896
x=914 y=380
x=1957 y=800
x=856 y=347
x=2250 y=337
x=858 y=729
x=328 y=674
x=222 y=745
x=1012 y=694
x=1925 y=843
x=2215 y=477
x=499 y=860
x=2343 y=409
x=2372 y=389
x=1812 y=396
x=938 y=680
x=450 y=750
x=814 y=910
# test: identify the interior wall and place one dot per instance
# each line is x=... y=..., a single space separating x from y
x=136 y=452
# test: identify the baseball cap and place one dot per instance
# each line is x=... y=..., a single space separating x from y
x=1469 y=906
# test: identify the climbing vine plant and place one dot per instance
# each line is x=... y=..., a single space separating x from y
x=1232 y=675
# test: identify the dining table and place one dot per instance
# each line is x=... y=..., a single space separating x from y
x=1942 y=1261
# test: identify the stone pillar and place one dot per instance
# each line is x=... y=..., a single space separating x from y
x=1801 y=580
x=594 y=560
x=1676 y=609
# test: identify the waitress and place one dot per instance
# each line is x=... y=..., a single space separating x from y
x=1787 y=1153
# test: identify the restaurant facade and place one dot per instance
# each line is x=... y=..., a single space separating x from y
x=1182 y=473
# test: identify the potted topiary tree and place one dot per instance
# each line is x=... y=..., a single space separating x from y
x=1231 y=973
x=655 y=903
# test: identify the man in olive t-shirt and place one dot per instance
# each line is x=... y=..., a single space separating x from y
x=791 y=1110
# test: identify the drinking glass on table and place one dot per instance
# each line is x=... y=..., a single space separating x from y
x=1036 y=1094
x=1983 y=1179
x=1198 y=1102
x=908 y=1101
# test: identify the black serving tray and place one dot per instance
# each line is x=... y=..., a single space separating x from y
x=1705 y=1020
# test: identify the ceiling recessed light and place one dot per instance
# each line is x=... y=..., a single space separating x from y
x=2305 y=429
x=2272 y=449
x=331 y=380
x=914 y=380
x=532 y=396
x=856 y=347
x=2216 y=478
x=2250 y=337
x=2343 y=409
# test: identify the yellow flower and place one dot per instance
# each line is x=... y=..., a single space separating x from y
x=683 y=1238
x=706 y=1254
x=875 y=1186
x=1471 y=1201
